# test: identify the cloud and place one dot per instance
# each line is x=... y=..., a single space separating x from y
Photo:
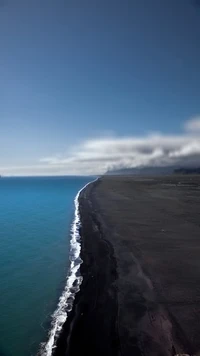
x=193 y=125
x=96 y=156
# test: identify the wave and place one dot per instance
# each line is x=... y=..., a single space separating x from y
x=74 y=280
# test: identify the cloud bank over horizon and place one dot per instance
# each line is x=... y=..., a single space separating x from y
x=97 y=156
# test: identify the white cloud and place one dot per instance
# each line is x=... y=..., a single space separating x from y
x=193 y=125
x=96 y=156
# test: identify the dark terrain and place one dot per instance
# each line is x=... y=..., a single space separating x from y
x=141 y=267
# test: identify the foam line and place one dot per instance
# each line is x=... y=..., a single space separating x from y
x=73 y=282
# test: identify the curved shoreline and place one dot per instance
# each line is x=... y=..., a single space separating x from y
x=73 y=283
x=86 y=331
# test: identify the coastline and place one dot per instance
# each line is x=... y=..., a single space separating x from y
x=135 y=298
x=86 y=331
x=72 y=286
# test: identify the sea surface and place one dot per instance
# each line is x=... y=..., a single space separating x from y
x=35 y=220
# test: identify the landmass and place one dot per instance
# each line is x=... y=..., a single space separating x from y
x=141 y=269
x=155 y=171
x=187 y=170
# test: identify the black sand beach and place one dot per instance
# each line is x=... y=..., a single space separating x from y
x=141 y=267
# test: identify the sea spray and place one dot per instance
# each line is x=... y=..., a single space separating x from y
x=74 y=280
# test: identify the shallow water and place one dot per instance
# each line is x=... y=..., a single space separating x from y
x=35 y=219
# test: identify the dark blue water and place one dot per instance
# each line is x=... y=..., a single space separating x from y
x=35 y=219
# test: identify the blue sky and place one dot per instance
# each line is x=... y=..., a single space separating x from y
x=77 y=73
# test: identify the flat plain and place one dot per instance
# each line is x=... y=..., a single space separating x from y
x=141 y=267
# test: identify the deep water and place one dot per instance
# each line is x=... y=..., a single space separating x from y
x=35 y=219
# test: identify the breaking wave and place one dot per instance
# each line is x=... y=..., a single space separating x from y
x=74 y=280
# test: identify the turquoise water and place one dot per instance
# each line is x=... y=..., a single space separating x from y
x=35 y=219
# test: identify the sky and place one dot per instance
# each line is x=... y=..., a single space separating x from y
x=92 y=85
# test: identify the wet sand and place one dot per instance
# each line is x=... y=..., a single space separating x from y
x=141 y=267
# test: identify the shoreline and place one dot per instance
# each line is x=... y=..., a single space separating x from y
x=73 y=282
x=79 y=333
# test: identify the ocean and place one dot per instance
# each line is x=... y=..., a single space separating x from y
x=36 y=215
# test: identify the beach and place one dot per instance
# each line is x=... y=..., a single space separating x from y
x=140 y=248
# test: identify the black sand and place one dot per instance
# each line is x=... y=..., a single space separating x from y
x=141 y=253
